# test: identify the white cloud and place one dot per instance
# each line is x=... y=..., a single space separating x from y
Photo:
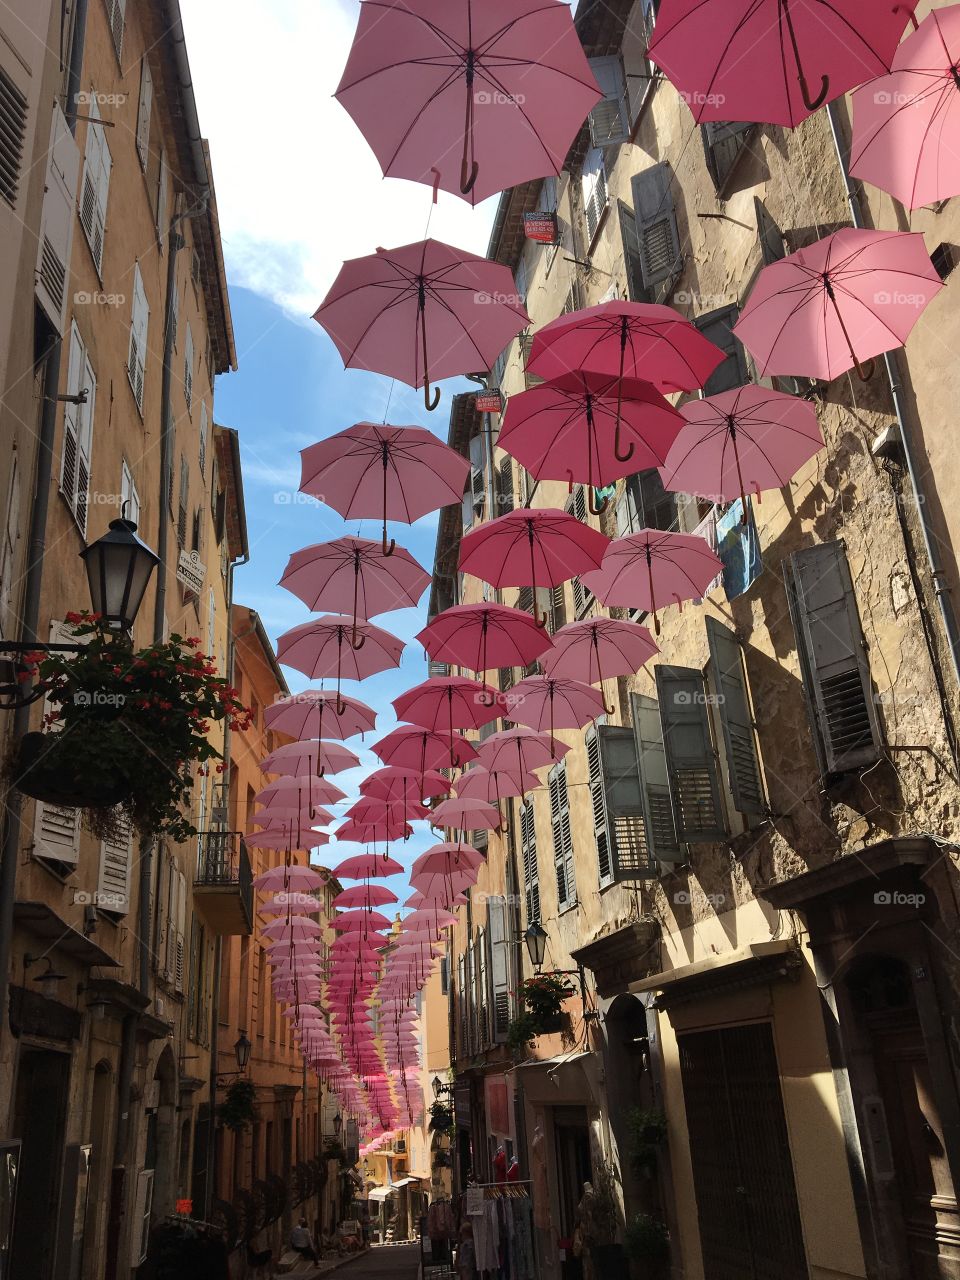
x=298 y=188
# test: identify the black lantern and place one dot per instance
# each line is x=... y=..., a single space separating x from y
x=536 y=940
x=337 y=1124
x=118 y=568
x=437 y=1085
x=242 y=1050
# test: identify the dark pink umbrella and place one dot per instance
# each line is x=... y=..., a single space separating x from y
x=547 y=703
x=304 y=791
x=741 y=441
x=483 y=636
x=474 y=98
x=362 y=921
x=531 y=548
x=387 y=812
x=763 y=59
x=906 y=124
x=495 y=785
x=381 y=472
x=451 y=702
x=368 y=895
x=388 y=311
x=422 y=749
x=466 y=814
x=298 y=758
x=319 y=713
x=594 y=648
x=324 y=648
x=283 y=838
x=370 y=832
x=589 y=427
x=366 y=866
x=283 y=879
x=828 y=308
x=520 y=749
x=352 y=575
x=395 y=782
x=445 y=859
x=649 y=569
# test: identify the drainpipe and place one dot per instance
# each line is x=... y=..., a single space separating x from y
x=76 y=63
x=937 y=572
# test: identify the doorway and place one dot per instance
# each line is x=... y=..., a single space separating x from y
x=39 y=1117
x=572 y=1138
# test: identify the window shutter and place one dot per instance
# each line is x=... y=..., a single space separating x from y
x=836 y=673
x=139 y=325
x=694 y=776
x=56 y=828
x=57 y=215
x=631 y=856
x=718 y=327
x=462 y=1002
x=161 y=203
x=480 y=988
x=113 y=888
x=78 y=431
x=531 y=868
x=115 y=10
x=182 y=505
x=505 y=500
x=188 y=368
x=499 y=967
x=143 y=112
x=593 y=186
x=661 y=830
x=562 y=839
x=204 y=433
x=736 y=718
x=723 y=140
x=175 y=311
x=656 y=219
x=129 y=498
x=595 y=772
x=632 y=263
x=13 y=132
x=96 y=185
x=181 y=922
x=609 y=120
x=140 y=1236
x=8 y=552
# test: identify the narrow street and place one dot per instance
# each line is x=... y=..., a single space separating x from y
x=398 y=1261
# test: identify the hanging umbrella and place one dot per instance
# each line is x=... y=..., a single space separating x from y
x=364 y=921
x=649 y=569
x=739 y=442
x=532 y=548
x=387 y=812
x=286 y=878
x=594 y=648
x=775 y=61
x=443 y=897
x=422 y=749
x=483 y=636
x=291 y=903
x=298 y=758
x=306 y=791
x=324 y=648
x=825 y=309
x=319 y=713
x=422 y=312
x=393 y=782
x=906 y=124
x=301 y=927
x=520 y=750
x=354 y=575
x=471 y=98
x=446 y=857
x=366 y=866
x=466 y=814
x=494 y=785
x=589 y=427
x=632 y=340
x=546 y=703
x=300 y=838
x=451 y=702
x=388 y=473
x=370 y=832
x=368 y=895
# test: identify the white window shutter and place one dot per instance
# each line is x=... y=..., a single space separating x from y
x=140 y=1235
x=113 y=888
x=139 y=327
x=593 y=181
x=660 y=255
x=129 y=498
x=188 y=368
x=78 y=431
x=562 y=837
x=143 y=112
x=56 y=221
x=610 y=118
x=96 y=185
x=115 y=12
x=499 y=967
x=56 y=828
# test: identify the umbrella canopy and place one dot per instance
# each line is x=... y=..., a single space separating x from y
x=451 y=702
x=297 y=758
x=363 y=832
x=388 y=812
x=482 y=636
x=589 y=427
x=466 y=814
x=532 y=548
x=365 y=895
x=446 y=857
x=354 y=575
x=422 y=312
x=387 y=473
x=300 y=927
x=414 y=747
x=494 y=785
x=364 y=866
x=286 y=878
x=288 y=837
x=547 y=703
x=365 y=921
x=905 y=125
x=642 y=340
x=471 y=98
x=594 y=648
x=291 y=903
x=318 y=713
x=300 y=791
x=324 y=647
x=393 y=782
x=741 y=441
x=773 y=60
x=828 y=308
x=649 y=569
x=520 y=749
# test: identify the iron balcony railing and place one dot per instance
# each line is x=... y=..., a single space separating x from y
x=224 y=862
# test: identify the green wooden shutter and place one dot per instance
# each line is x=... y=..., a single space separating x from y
x=656 y=218
x=736 y=718
x=836 y=673
x=630 y=853
x=692 y=763
x=595 y=772
x=659 y=822
x=723 y=140
x=718 y=327
x=562 y=839
x=499 y=968
x=531 y=870
x=633 y=267
x=609 y=120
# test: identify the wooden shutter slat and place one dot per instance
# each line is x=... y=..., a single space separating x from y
x=531 y=869
x=694 y=776
x=661 y=829
x=499 y=967
x=656 y=224
x=562 y=839
x=631 y=854
x=595 y=775
x=736 y=718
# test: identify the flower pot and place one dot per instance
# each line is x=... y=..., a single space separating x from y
x=40 y=772
x=551 y=1023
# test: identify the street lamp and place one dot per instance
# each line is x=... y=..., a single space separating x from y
x=242 y=1050
x=337 y=1124
x=439 y=1088
x=536 y=940
x=118 y=567
x=49 y=979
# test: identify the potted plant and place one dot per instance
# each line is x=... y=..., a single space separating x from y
x=543 y=995
x=124 y=727
x=239 y=1107
x=606 y=1253
x=523 y=1030
x=441 y=1118
x=647 y=1245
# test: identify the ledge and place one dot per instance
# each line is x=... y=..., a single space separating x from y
x=759 y=963
x=43 y=921
x=847 y=873
x=622 y=957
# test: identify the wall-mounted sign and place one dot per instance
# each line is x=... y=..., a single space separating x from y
x=489 y=401
x=191 y=571
x=541 y=227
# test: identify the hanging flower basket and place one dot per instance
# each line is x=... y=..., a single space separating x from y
x=39 y=770
x=543 y=995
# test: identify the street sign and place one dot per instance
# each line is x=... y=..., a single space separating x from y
x=489 y=401
x=541 y=227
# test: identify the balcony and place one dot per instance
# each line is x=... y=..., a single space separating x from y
x=223 y=888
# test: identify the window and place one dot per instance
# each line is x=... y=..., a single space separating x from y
x=96 y=184
x=129 y=498
x=113 y=887
x=188 y=368
x=139 y=325
x=718 y=327
x=632 y=263
x=593 y=186
x=735 y=714
x=595 y=773
x=562 y=837
x=624 y=848
x=505 y=499
x=499 y=967
x=657 y=232
x=143 y=113
x=473 y=497
x=204 y=434
x=660 y=832
x=833 y=659
x=691 y=759
x=182 y=505
x=723 y=143
x=480 y=1007
x=609 y=120
x=8 y=551
x=13 y=112
x=115 y=12
x=645 y=504
x=140 y=1243
x=531 y=870
x=78 y=431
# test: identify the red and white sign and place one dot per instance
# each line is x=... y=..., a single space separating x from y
x=541 y=227
x=489 y=401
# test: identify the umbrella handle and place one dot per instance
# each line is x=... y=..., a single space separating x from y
x=594 y=508
x=865 y=371
x=388 y=547
x=430 y=404
x=539 y=619
x=902 y=8
x=355 y=643
x=621 y=457
x=813 y=103
x=341 y=706
x=468 y=176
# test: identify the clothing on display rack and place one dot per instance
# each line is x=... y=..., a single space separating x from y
x=441 y=1221
x=500 y=1221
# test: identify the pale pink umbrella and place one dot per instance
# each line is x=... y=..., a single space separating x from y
x=483 y=636
x=828 y=308
x=450 y=702
x=495 y=785
x=301 y=927
x=301 y=791
x=390 y=473
x=471 y=98
x=443 y=898
x=521 y=749
x=366 y=921
x=593 y=648
x=295 y=902
x=546 y=703
x=422 y=312
x=392 y=782
x=366 y=866
x=466 y=813
x=352 y=575
x=415 y=747
x=319 y=713
x=446 y=857
x=298 y=758
x=370 y=895
x=370 y=832
x=649 y=569
x=532 y=548
x=283 y=838
x=388 y=812
x=286 y=878
x=323 y=647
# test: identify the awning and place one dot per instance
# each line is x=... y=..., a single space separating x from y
x=564 y=1080
x=757 y=963
x=379 y=1193
x=403 y=1182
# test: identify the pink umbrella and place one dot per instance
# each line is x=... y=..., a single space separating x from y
x=466 y=813
x=324 y=648
x=291 y=902
x=520 y=749
x=318 y=713
x=391 y=473
x=593 y=648
x=367 y=865
x=300 y=791
x=825 y=309
x=370 y=832
x=444 y=898
x=392 y=782
x=301 y=927
x=450 y=701
x=365 y=921
x=905 y=125
x=757 y=59
x=300 y=837
x=385 y=312
x=353 y=575
x=368 y=895
x=741 y=441
x=286 y=878
x=441 y=859
x=471 y=98
x=386 y=812
x=531 y=548
x=297 y=758
x=422 y=749
x=641 y=340
x=589 y=427
x=494 y=785
x=548 y=703
x=647 y=569
x=482 y=636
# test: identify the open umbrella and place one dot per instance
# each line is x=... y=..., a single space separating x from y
x=324 y=647
x=301 y=837
x=470 y=97
x=483 y=636
x=649 y=569
x=369 y=895
x=547 y=703
x=298 y=758
x=364 y=866
x=466 y=814
x=739 y=442
x=303 y=791
x=364 y=832
x=394 y=782
x=906 y=125
x=451 y=702
x=828 y=308
x=387 y=312
x=388 y=473
x=353 y=575
x=494 y=785
x=595 y=648
x=589 y=427
x=773 y=60
x=422 y=749
x=283 y=879
x=520 y=749
x=442 y=859
x=532 y=548
x=319 y=713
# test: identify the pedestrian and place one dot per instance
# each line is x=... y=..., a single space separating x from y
x=302 y=1241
